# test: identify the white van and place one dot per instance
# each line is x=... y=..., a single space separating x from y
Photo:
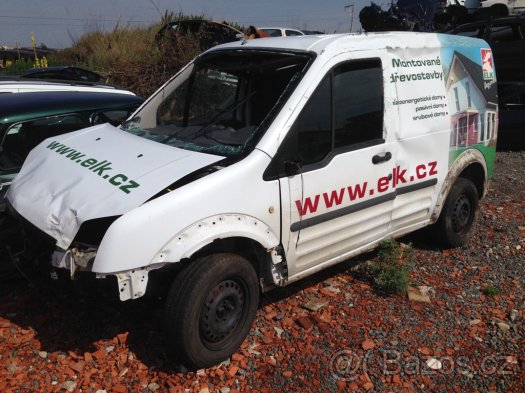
x=263 y=162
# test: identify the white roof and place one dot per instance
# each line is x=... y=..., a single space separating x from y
x=353 y=41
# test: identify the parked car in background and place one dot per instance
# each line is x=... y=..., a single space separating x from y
x=27 y=119
x=17 y=84
x=503 y=7
x=281 y=31
x=452 y=12
x=511 y=132
x=209 y=33
x=67 y=73
x=506 y=37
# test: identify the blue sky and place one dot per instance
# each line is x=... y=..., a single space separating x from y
x=57 y=22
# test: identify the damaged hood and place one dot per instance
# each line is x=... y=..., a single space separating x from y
x=96 y=172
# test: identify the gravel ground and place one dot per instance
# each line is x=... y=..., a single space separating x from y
x=76 y=336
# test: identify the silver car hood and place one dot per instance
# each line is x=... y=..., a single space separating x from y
x=96 y=172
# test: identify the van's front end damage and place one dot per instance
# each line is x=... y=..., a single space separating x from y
x=132 y=284
x=71 y=189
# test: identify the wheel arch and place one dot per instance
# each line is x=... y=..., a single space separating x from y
x=232 y=233
x=469 y=165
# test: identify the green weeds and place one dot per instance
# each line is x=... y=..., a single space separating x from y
x=391 y=268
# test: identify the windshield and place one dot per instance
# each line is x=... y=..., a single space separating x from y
x=222 y=103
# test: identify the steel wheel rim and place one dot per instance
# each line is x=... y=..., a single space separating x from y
x=462 y=216
x=221 y=312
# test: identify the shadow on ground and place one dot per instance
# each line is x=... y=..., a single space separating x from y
x=81 y=315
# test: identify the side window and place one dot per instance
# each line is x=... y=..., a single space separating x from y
x=21 y=137
x=292 y=33
x=274 y=32
x=358 y=104
x=313 y=128
x=344 y=113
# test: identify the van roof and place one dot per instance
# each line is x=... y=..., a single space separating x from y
x=353 y=41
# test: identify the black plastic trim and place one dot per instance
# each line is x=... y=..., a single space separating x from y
x=310 y=222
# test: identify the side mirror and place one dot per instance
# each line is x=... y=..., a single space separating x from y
x=292 y=168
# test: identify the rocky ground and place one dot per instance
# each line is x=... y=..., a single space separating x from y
x=327 y=333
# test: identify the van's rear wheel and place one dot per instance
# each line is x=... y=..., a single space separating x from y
x=210 y=308
x=459 y=214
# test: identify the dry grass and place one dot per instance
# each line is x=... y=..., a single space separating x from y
x=129 y=57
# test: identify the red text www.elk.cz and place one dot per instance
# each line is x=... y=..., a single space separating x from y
x=351 y=193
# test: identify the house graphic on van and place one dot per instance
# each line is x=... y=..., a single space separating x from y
x=472 y=102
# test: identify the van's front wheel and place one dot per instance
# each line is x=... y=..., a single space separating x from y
x=210 y=308
x=459 y=214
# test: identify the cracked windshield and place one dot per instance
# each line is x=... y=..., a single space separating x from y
x=221 y=103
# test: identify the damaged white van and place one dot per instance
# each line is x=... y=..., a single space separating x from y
x=263 y=162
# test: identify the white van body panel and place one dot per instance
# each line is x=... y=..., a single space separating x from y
x=436 y=108
x=169 y=220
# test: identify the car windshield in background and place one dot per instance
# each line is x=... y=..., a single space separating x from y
x=222 y=103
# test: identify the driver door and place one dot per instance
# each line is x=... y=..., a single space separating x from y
x=335 y=169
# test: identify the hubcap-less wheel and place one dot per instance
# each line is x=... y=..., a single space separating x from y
x=221 y=312
x=210 y=309
x=462 y=214
x=459 y=214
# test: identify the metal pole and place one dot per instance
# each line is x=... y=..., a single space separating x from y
x=352 y=7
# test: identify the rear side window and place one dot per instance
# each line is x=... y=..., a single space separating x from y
x=345 y=113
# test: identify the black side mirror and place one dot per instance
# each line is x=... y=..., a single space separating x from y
x=292 y=168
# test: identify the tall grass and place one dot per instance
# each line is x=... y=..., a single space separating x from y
x=130 y=57
x=127 y=57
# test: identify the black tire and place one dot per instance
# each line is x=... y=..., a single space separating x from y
x=210 y=309
x=456 y=222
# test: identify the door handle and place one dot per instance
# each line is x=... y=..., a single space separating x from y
x=377 y=159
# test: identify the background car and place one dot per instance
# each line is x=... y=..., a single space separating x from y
x=209 y=33
x=511 y=132
x=67 y=73
x=503 y=7
x=28 y=119
x=17 y=84
x=506 y=37
x=281 y=31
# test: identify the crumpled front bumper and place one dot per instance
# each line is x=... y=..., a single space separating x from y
x=132 y=284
